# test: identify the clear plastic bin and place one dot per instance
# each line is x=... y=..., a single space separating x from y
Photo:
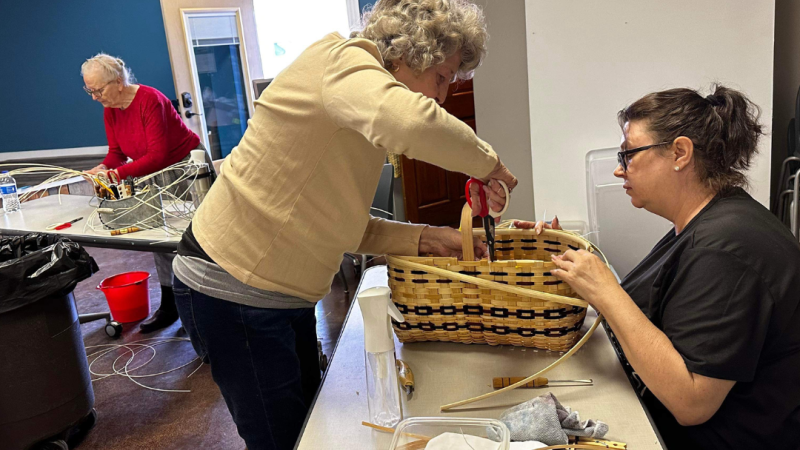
x=413 y=433
x=624 y=233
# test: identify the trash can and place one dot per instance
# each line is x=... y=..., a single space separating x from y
x=45 y=386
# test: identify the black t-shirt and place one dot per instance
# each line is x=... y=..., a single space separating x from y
x=726 y=292
x=188 y=246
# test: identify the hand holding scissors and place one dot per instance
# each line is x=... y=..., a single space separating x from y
x=486 y=212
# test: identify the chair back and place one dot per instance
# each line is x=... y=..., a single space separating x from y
x=383 y=203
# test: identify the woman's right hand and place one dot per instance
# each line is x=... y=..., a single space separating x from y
x=95 y=170
x=502 y=173
x=495 y=196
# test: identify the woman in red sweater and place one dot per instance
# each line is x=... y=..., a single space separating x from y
x=141 y=125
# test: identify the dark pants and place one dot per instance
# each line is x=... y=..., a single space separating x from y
x=264 y=361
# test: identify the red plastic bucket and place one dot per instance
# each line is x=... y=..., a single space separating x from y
x=128 y=296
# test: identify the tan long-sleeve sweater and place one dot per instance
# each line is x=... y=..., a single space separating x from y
x=295 y=194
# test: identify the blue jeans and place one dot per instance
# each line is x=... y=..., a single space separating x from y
x=265 y=362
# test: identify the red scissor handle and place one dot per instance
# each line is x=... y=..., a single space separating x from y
x=484 y=208
x=113 y=176
x=485 y=211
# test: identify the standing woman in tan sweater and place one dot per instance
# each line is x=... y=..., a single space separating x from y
x=295 y=194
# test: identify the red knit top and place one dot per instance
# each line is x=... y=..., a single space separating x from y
x=149 y=131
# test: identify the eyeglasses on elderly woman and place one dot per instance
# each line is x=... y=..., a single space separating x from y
x=624 y=157
x=99 y=91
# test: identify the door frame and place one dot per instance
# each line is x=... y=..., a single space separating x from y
x=196 y=93
x=353 y=15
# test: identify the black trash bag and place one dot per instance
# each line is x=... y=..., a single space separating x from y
x=37 y=266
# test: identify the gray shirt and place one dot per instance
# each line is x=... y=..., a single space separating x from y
x=212 y=280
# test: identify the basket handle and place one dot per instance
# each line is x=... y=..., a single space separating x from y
x=466 y=234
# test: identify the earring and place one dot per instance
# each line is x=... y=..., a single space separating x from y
x=677 y=168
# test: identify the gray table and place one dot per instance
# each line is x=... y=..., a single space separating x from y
x=448 y=372
x=36 y=215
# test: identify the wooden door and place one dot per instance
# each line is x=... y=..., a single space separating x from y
x=433 y=195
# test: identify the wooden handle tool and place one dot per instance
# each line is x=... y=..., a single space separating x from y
x=406 y=377
x=598 y=443
x=501 y=382
x=125 y=231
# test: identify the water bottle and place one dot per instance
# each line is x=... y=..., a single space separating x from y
x=8 y=189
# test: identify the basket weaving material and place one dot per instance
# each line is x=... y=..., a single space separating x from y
x=512 y=301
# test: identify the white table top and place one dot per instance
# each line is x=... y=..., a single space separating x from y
x=449 y=372
x=36 y=215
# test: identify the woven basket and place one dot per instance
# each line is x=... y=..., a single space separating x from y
x=511 y=301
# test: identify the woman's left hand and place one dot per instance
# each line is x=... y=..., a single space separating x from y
x=588 y=276
x=446 y=241
x=539 y=226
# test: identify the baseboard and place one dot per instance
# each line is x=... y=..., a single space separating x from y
x=37 y=154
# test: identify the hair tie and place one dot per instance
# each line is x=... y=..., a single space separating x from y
x=715 y=100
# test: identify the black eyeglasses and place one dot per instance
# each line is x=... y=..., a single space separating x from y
x=624 y=157
x=99 y=91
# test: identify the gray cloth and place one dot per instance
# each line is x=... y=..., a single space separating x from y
x=211 y=279
x=545 y=419
x=164 y=267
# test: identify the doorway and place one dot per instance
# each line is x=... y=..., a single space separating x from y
x=220 y=76
x=213 y=47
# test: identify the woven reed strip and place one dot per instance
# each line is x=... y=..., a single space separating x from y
x=530 y=378
x=396 y=261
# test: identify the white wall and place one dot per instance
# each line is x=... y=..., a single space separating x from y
x=588 y=59
x=502 y=112
x=286 y=28
x=787 y=78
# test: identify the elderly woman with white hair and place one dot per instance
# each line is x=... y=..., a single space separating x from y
x=142 y=125
x=295 y=195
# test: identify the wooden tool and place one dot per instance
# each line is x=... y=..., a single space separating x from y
x=597 y=443
x=501 y=382
x=406 y=377
x=105 y=186
x=125 y=231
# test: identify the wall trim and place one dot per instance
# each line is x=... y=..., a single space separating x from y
x=36 y=154
x=353 y=15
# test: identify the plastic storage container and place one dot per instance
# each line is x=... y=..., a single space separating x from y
x=418 y=429
x=625 y=233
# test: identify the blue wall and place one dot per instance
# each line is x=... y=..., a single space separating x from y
x=43 y=44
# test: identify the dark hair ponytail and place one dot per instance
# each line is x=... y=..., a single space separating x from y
x=723 y=127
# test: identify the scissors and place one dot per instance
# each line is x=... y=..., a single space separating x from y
x=486 y=213
x=113 y=177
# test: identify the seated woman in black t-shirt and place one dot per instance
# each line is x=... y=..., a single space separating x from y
x=710 y=319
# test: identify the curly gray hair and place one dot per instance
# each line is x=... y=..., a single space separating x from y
x=423 y=33
x=110 y=67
